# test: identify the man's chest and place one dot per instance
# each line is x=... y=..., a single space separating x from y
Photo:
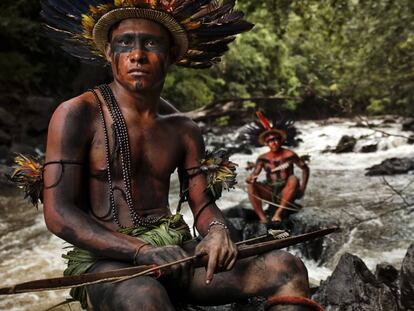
x=277 y=164
x=153 y=151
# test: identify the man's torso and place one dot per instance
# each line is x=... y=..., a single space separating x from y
x=156 y=147
x=278 y=166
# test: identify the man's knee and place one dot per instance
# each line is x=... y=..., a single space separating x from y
x=286 y=267
x=142 y=293
x=292 y=182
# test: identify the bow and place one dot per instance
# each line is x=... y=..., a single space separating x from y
x=200 y=260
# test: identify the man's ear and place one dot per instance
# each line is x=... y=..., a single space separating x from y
x=108 y=53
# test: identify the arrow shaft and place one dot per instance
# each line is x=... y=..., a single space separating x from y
x=244 y=251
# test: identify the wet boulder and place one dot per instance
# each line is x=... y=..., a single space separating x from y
x=408 y=125
x=353 y=287
x=308 y=220
x=37 y=121
x=389 y=275
x=345 y=144
x=244 y=224
x=5 y=183
x=391 y=166
x=7 y=120
x=5 y=138
x=369 y=148
x=407 y=279
x=389 y=120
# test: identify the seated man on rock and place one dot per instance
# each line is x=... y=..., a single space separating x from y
x=281 y=184
x=110 y=157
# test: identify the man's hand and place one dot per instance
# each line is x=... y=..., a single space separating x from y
x=251 y=179
x=182 y=273
x=222 y=252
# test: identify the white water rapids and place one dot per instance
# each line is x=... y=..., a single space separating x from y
x=337 y=188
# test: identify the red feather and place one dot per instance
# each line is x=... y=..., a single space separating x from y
x=263 y=120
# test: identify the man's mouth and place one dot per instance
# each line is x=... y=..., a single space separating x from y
x=138 y=72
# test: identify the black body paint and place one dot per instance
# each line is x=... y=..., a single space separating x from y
x=278 y=173
x=128 y=42
x=146 y=43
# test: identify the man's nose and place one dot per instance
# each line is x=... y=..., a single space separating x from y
x=139 y=56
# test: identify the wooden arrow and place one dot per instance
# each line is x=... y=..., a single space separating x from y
x=200 y=260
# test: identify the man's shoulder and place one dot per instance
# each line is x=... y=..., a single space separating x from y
x=289 y=153
x=264 y=157
x=180 y=120
x=83 y=104
x=80 y=111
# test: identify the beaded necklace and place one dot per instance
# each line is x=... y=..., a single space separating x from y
x=121 y=134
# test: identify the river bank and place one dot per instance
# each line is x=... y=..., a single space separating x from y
x=377 y=225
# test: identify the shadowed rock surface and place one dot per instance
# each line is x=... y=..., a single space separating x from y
x=391 y=166
x=345 y=144
x=353 y=287
x=407 y=279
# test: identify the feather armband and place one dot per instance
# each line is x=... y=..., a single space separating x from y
x=28 y=175
x=220 y=172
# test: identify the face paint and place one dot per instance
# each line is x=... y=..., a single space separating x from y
x=127 y=42
x=140 y=51
x=138 y=85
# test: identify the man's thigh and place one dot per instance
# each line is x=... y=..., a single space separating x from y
x=264 y=191
x=263 y=276
x=141 y=292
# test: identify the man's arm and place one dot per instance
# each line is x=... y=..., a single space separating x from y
x=207 y=216
x=70 y=134
x=305 y=173
x=256 y=172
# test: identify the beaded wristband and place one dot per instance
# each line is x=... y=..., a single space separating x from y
x=137 y=252
x=216 y=223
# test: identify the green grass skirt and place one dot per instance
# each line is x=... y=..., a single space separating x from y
x=171 y=230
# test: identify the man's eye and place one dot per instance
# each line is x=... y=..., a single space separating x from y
x=124 y=42
x=151 y=43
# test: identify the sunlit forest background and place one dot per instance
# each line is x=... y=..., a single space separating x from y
x=330 y=57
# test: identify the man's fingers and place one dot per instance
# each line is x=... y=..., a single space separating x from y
x=222 y=258
x=231 y=257
x=231 y=264
x=211 y=266
x=227 y=261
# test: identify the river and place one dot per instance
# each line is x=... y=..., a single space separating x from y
x=378 y=227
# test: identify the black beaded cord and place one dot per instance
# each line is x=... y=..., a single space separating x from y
x=121 y=132
x=107 y=158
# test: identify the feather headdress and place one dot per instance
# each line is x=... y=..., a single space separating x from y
x=201 y=29
x=258 y=131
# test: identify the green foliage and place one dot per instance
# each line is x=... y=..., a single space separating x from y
x=188 y=88
x=29 y=62
x=348 y=53
x=332 y=53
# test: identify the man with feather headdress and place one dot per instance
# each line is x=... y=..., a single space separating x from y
x=281 y=185
x=110 y=156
